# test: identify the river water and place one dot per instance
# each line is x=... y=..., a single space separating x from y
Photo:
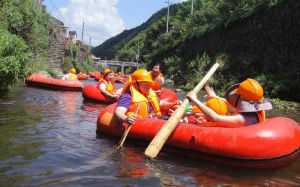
x=48 y=138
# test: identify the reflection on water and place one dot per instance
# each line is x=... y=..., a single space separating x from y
x=47 y=138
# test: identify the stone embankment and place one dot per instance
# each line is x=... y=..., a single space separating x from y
x=56 y=48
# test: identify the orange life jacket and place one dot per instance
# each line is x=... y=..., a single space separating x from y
x=109 y=86
x=144 y=111
x=261 y=116
x=72 y=77
x=156 y=82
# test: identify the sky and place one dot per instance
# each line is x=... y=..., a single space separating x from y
x=103 y=19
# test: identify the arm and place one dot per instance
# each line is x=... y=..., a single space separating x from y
x=166 y=105
x=224 y=121
x=103 y=90
x=106 y=93
x=210 y=93
x=65 y=77
x=121 y=117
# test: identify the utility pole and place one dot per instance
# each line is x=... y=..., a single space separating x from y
x=192 y=8
x=82 y=32
x=40 y=5
x=90 y=41
x=168 y=1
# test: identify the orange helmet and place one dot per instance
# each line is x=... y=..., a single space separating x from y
x=141 y=75
x=218 y=105
x=72 y=70
x=106 y=71
x=250 y=90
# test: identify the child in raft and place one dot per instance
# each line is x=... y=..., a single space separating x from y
x=245 y=99
x=194 y=115
x=106 y=84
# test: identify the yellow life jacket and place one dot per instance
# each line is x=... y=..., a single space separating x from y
x=109 y=86
x=72 y=77
x=144 y=110
x=156 y=82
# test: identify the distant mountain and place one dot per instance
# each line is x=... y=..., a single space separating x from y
x=109 y=48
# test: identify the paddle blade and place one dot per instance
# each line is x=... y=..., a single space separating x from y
x=162 y=136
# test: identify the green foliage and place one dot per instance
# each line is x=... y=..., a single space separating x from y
x=109 y=48
x=181 y=51
x=71 y=59
x=128 y=70
x=13 y=56
x=24 y=37
x=89 y=66
x=280 y=104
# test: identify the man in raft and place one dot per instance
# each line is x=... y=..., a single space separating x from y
x=71 y=75
x=158 y=80
x=245 y=99
x=138 y=90
x=105 y=84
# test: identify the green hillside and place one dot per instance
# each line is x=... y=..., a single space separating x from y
x=257 y=39
x=109 y=48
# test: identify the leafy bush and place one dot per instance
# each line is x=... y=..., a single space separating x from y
x=13 y=57
x=280 y=104
x=23 y=34
x=71 y=59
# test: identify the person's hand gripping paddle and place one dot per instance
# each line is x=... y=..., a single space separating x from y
x=127 y=129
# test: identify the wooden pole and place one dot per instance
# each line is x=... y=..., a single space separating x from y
x=162 y=136
x=127 y=129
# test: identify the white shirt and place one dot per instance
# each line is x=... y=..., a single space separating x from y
x=65 y=77
x=102 y=86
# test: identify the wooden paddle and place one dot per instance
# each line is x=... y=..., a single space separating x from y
x=162 y=136
x=128 y=128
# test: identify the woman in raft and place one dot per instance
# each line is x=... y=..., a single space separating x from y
x=245 y=99
x=138 y=90
x=106 y=84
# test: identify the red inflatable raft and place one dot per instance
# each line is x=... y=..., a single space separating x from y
x=92 y=74
x=97 y=77
x=41 y=81
x=270 y=144
x=92 y=93
x=82 y=77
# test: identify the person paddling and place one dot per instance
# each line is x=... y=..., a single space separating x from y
x=105 y=84
x=245 y=99
x=138 y=90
